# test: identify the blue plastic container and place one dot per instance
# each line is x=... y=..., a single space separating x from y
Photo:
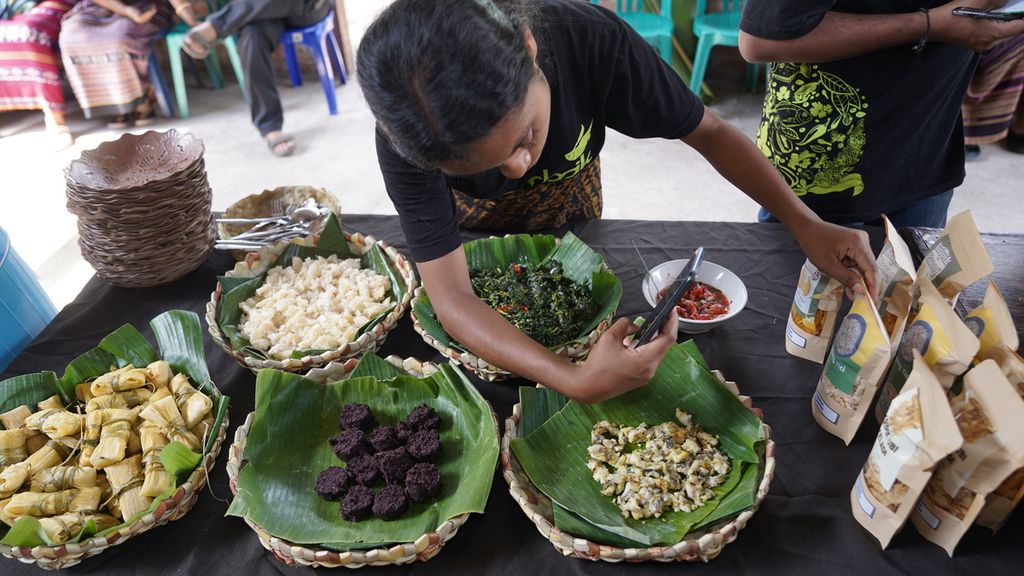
x=24 y=307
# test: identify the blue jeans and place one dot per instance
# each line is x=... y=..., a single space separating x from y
x=930 y=213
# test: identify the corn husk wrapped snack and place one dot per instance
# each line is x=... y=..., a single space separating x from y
x=957 y=259
x=990 y=416
x=942 y=339
x=283 y=447
x=853 y=370
x=812 y=316
x=552 y=454
x=87 y=480
x=918 y=432
x=579 y=263
x=294 y=280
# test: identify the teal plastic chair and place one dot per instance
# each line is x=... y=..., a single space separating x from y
x=655 y=28
x=718 y=29
x=176 y=39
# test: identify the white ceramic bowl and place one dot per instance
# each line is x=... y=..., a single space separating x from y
x=711 y=274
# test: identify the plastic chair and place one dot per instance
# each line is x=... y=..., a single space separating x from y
x=24 y=307
x=655 y=28
x=176 y=39
x=164 y=102
x=316 y=39
x=718 y=29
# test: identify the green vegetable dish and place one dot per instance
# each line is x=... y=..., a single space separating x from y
x=539 y=300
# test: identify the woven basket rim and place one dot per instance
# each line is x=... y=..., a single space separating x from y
x=706 y=546
x=366 y=342
x=423 y=548
x=182 y=500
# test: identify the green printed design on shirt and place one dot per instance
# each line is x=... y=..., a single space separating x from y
x=580 y=155
x=812 y=129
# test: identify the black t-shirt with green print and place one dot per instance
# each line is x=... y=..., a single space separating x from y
x=864 y=135
x=601 y=73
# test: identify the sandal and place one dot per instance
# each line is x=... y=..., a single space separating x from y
x=1015 y=142
x=273 y=144
x=193 y=36
x=145 y=113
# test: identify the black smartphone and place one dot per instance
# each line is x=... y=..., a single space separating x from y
x=986 y=15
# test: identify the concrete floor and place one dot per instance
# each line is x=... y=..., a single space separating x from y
x=642 y=179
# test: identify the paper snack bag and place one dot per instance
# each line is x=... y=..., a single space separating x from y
x=854 y=368
x=812 y=316
x=991 y=323
x=1002 y=501
x=918 y=431
x=990 y=416
x=894 y=269
x=939 y=335
x=958 y=257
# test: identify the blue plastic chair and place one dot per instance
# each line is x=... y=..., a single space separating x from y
x=164 y=102
x=718 y=29
x=320 y=41
x=176 y=39
x=655 y=28
x=24 y=307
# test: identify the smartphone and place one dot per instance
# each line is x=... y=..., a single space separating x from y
x=986 y=15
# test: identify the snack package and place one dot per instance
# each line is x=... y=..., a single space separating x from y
x=939 y=335
x=894 y=269
x=990 y=416
x=958 y=257
x=991 y=323
x=918 y=431
x=1001 y=502
x=855 y=366
x=812 y=317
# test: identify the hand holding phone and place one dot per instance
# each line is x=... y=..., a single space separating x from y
x=988 y=15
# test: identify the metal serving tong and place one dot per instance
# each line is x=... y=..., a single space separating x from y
x=656 y=318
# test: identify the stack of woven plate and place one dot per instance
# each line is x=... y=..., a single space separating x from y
x=143 y=207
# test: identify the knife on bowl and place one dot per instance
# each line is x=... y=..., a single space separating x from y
x=656 y=318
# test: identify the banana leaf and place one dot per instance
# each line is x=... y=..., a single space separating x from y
x=179 y=337
x=287 y=448
x=554 y=455
x=579 y=263
x=236 y=290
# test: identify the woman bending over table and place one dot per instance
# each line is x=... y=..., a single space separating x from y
x=29 y=65
x=491 y=115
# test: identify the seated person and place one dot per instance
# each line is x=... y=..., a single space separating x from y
x=259 y=24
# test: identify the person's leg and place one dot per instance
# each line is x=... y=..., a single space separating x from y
x=308 y=12
x=234 y=16
x=256 y=42
x=930 y=212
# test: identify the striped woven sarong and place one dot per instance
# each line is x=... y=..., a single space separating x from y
x=106 y=56
x=29 y=65
x=543 y=207
x=995 y=93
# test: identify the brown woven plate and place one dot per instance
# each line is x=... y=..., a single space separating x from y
x=174 y=507
x=700 y=545
x=256 y=262
x=422 y=549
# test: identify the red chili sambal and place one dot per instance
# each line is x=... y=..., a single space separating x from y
x=700 y=302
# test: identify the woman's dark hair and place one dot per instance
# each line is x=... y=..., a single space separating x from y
x=439 y=74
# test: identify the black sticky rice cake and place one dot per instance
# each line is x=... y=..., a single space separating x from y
x=422 y=482
x=422 y=417
x=384 y=438
x=390 y=503
x=356 y=417
x=394 y=464
x=424 y=445
x=333 y=483
x=349 y=444
x=357 y=504
x=364 y=468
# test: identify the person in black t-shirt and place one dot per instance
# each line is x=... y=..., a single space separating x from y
x=862 y=114
x=491 y=115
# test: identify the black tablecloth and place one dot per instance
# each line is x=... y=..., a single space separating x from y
x=804 y=527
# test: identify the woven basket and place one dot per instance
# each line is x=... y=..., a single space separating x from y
x=422 y=549
x=575 y=351
x=702 y=545
x=256 y=262
x=271 y=203
x=174 y=507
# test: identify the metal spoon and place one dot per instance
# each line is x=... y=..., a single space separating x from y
x=303 y=213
